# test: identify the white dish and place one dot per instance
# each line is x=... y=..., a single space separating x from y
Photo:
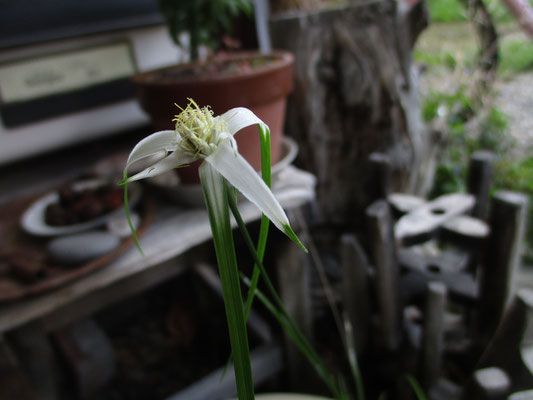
x=33 y=219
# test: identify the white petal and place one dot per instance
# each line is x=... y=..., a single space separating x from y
x=232 y=166
x=153 y=144
x=239 y=118
x=164 y=165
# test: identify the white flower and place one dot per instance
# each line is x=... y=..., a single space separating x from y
x=199 y=134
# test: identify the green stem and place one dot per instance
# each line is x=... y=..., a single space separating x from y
x=286 y=321
x=216 y=194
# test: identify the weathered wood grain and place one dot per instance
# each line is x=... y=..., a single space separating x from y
x=383 y=258
x=355 y=93
x=421 y=223
x=497 y=276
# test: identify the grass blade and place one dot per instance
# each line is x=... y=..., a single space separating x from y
x=416 y=387
x=216 y=194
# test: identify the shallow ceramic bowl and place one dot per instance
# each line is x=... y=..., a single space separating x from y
x=33 y=219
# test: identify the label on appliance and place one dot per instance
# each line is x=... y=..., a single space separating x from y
x=53 y=74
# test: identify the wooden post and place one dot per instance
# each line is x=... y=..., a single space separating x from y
x=433 y=334
x=383 y=253
x=510 y=349
x=479 y=180
x=381 y=172
x=502 y=258
x=355 y=299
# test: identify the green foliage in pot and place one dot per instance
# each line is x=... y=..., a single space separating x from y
x=204 y=20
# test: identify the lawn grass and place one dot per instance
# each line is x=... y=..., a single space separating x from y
x=516 y=55
x=454 y=11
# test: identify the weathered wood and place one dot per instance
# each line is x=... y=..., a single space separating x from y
x=448 y=268
x=479 y=180
x=420 y=224
x=510 y=349
x=433 y=333
x=403 y=203
x=381 y=172
x=383 y=256
x=497 y=276
x=465 y=231
x=490 y=383
x=354 y=94
x=355 y=294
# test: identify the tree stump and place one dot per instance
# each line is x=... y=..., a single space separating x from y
x=355 y=93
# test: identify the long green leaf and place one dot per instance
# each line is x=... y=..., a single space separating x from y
x=416 y=387
x=216 y=194
x=299 y=340
x=352 y=359
x=266 y=173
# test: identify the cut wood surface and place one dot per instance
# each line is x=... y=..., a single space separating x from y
x=423 y=221
x=403 y=203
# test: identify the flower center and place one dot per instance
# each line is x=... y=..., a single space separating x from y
x=201 y=133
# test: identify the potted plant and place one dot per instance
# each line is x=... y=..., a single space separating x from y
x=260 y=82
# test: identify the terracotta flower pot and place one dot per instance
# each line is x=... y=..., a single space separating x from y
x=259 y=82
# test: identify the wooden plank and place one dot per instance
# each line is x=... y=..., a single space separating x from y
x=501 y=261
x=420 y=224
x=175 y=232
x=383 y=258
